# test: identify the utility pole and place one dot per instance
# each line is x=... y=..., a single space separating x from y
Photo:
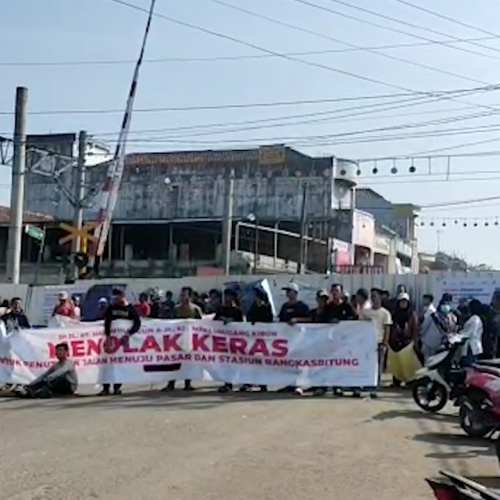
x=227 y=220
x=303 y=215
x=78 y=243
x=80 y=188
x=17 y=190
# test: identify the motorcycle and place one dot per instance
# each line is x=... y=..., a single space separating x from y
x=455 y=487
x=441 y=378
x=480 y=406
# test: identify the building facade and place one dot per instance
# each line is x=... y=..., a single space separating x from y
x=169 y=215
x=396 y=222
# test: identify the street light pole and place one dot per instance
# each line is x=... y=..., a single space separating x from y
x=303 y=215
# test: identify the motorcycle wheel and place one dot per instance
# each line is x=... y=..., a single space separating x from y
x=429 y=395
x=472 y=420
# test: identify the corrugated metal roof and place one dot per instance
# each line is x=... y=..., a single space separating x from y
x=28 y=217
x=266 y=155
x=368 y=194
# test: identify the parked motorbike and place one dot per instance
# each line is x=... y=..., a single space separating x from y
x=442 y=378
x=455 y=487
x=480 y=406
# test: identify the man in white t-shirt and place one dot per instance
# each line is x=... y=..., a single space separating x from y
x=383 y=322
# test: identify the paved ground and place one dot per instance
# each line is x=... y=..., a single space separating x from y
x=204 y=446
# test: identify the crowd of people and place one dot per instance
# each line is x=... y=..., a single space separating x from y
x=398 y=323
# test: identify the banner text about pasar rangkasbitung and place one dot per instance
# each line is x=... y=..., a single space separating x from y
x=341 y=355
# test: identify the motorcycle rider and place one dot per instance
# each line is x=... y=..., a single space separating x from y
x=434 y=329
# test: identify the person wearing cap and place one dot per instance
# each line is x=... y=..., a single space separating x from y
x=102 y=306
x=228 y=312
x=119 y=309
x=259 y=312
x=383 y=322
x=293 y=310
x=405 y=327
x=320 y=313
x=64 y=306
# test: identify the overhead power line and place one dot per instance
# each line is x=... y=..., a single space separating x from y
x=452 y=20
x=260 y=126
x=337 y=119
x=343 y=42
x=432 y=94
x=241 y=57
x=263 y=49
x=388 y=28
x=403 y=126
x=415 y=26
x=475 y=154
x=340 y=138
x=460 y=202
x=436 y=181
x=268 y=51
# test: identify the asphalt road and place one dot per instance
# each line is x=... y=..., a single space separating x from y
x=205 y=446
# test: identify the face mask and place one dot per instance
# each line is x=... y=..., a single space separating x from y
x=445 y=308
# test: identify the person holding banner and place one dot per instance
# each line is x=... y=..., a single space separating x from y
x=334 y=308
x=119 y=309
x=383 y=322
x=229 y=312
x=64 y=306
x=186 y=309
x=260 y=312
x=293 y=311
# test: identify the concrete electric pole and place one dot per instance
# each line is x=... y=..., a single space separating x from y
x=17 y=190
x=80 y=189
x=79 y=244
x=227 y=226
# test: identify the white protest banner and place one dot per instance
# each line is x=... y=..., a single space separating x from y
x=480 y=286
x=342 y=355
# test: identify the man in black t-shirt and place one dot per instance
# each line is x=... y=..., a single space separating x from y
x=320 y=313
x=338 y=309
x=260 y=312
x=119 y=309
x=228 y=312
x=293 y=310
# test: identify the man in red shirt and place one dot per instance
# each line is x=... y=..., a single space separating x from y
x=142 y=307
x=64 y=306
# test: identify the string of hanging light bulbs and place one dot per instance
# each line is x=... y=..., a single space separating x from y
x=375 y=169
x=460 y=221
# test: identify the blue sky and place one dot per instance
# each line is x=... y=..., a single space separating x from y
x=71 y=31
